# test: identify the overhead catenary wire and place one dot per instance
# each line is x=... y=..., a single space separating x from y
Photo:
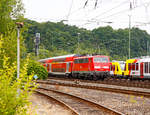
x=108 y=11
x=70 y=10
x=126 y=1
x=100 y=14
x=133 y=8
x=123 y=3
x=112 y=15
x=85 y=3
x=95 y=4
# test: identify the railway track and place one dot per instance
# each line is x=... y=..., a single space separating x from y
x=78 y=105
x=118 y=82
x=61 y=103
x=102 y=88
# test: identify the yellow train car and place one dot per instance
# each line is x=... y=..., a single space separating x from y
x=128 y=66
x=117 y=68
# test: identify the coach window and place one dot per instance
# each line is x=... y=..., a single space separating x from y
x=133 y=66
x=125 y=67
x=149 y=67
x=76 y=61
x=122 y=66
x=114 y=67
x=146 y=67
x=117 y=68
x=81 y=60
x=137 y=66
x=85 y=60
x=129 y=66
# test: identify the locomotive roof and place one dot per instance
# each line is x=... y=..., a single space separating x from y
x=89 y=56
x=58 y=57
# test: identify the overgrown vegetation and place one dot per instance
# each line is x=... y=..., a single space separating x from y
x=14 y=93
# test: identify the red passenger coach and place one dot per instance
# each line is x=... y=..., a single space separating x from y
x=60 y=65
x=93 y=67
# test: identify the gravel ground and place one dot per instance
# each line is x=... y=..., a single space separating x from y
x=43 y=106
x=127 y=104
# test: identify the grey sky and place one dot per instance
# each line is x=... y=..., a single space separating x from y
x=106 y=11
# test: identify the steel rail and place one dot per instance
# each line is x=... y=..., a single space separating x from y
x=89 y=102
x=59 y=102
x=115 y=90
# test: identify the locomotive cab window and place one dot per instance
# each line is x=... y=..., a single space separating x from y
x=101 y=59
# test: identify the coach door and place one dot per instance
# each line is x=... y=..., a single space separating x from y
x=141 y=70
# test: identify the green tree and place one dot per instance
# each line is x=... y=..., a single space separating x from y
x=10 y=10
x=59 y=39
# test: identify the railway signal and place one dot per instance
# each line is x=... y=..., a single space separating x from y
x=37 y=42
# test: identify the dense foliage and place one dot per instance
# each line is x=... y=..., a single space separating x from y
x=59 y=39
x=14 y=93
x=37 y=69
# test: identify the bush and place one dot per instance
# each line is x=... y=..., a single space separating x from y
x=14 y=93
x=37 y=69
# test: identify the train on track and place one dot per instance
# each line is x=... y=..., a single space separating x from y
x=77 y=66
x=97 y=67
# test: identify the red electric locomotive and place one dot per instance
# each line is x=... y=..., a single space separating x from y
x=93 y=67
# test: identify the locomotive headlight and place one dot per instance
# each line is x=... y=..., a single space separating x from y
x=96 y=67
